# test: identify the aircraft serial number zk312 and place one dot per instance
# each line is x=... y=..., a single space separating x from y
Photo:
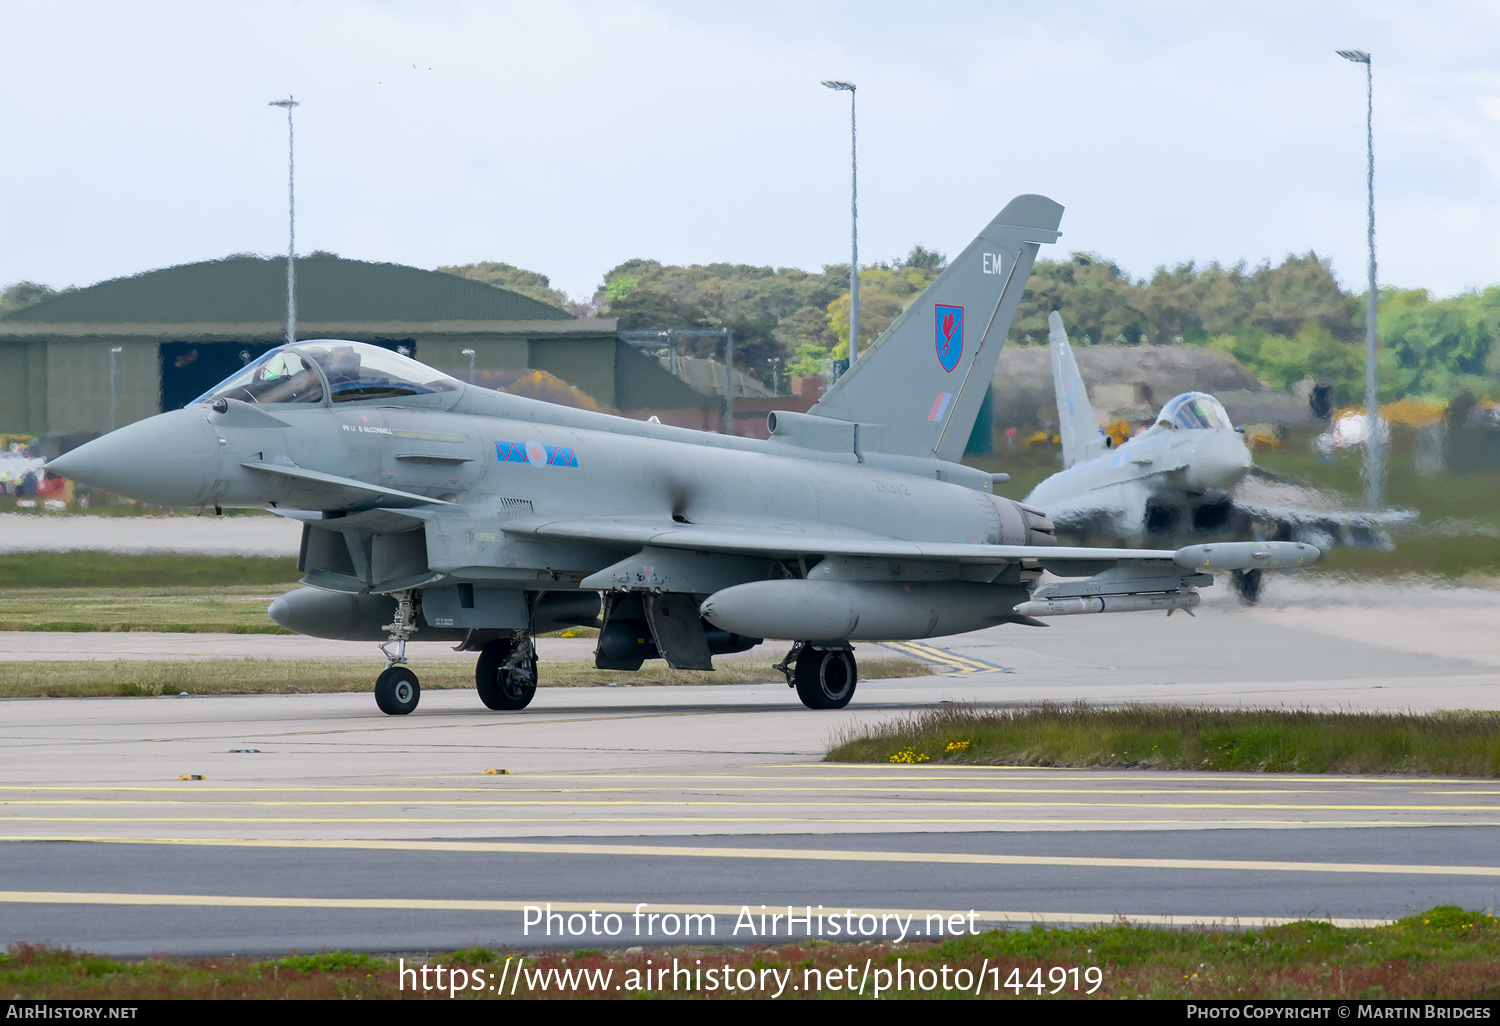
x=434 y=506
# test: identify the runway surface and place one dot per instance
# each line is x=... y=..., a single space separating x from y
x=258 y=535
x=320 y=823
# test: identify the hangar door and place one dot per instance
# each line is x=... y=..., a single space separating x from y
x=188 y=369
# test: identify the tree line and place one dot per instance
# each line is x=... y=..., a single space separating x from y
x=1286 y=323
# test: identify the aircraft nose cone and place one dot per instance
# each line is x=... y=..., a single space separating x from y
x=1219 y=462
x=168 y=460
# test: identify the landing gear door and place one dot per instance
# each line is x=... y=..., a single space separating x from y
x=678 y=630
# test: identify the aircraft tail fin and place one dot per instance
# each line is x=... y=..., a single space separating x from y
x=1081 y=438
x=916 y=391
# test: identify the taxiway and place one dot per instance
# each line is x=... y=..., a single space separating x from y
x=319 y=823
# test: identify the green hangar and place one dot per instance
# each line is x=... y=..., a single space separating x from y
x=90 y=359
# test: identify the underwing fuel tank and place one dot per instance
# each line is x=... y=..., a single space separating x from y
x=860 y=610
x=1250 y=555
x=343 y=616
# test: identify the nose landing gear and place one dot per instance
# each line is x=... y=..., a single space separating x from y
x=397 y=690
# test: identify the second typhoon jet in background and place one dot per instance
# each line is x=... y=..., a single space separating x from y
x=1179 y=482
x=435 y=508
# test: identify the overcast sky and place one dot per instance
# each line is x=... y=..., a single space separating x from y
x=567 y=137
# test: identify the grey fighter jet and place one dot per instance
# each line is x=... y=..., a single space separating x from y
x=1178 y=482
x=436 y=509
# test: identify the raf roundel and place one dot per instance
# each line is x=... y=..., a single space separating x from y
x=536 y=454
x=949 y=335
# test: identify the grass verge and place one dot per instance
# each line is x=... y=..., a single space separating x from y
x=144 y=678
x=95 y=570
x=1164 y=737
x=1446 y=952
x=1456 y=537
x=1451 y=558
x=242 y=610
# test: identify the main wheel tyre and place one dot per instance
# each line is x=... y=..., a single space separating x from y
x=826 y=680
x=397 y=691
x=498 y=687
x=1248 y=585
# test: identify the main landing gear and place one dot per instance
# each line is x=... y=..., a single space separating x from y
x=1247 y=585
x=506 y=673
x=396 y=689
x=824 y=677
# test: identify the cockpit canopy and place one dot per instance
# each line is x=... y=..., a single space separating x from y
x=306 y=372
x=1194 y=411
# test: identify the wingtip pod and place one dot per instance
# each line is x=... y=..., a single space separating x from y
x=1271 y=555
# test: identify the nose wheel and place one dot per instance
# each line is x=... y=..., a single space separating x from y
x=397 y=691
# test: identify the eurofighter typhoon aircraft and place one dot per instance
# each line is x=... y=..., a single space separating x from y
x=441 y=510
x=1175 y=482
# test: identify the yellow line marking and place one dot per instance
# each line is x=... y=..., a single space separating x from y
x=838 y=855
x=568 y=907
x=1187 y=779
x=503 y=795
x=933 y=654
x=538 y=782
x=419 y=721
x=947 y=654
x=934 y=803
x=681 y=799
x=1123 y=823
x=702 y=819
